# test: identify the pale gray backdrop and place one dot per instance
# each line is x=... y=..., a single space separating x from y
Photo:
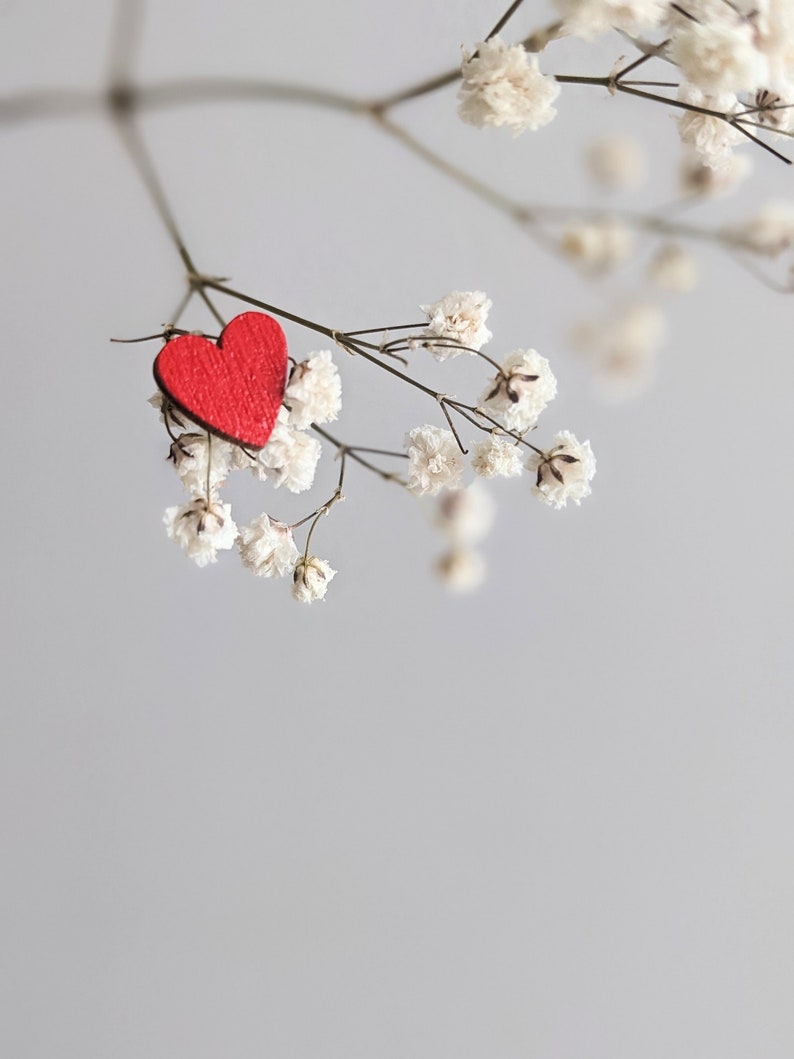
x=550 y=820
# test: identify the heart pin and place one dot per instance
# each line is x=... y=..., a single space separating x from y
x=233 y=389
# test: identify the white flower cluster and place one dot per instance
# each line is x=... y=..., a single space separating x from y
x=310 y=579
x=290 y=457
x=201 y=528
x=204 y=525
x=497 y=457
x=435 y=464
x=434 y=460
x=267 y=547
x=314 y=391
x=502 y=85
x=456 y=324
x=522 y=389
x=512 y=402
x=712 y=137
x=714 y=46
x=736 y=57
x=202 y=465
x=564 y=472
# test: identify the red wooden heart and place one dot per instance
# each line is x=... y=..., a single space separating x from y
x=234 y=388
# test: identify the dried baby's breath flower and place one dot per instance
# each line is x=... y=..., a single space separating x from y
x=457 y=320
x=290 y=457
x=314 y=391
x=712 y=137
x=521 y=391
x=267 y=547
x=434 y=460
x=202 y=463
x=564 y=472
x=502 y=85
x=201 y=528
x=718 y=53
x=774 y=109
x=497 y=457
x=311 y=578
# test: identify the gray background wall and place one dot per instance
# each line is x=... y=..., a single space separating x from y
x=549 y=820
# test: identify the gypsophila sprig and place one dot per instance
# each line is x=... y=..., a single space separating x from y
x=502 y=85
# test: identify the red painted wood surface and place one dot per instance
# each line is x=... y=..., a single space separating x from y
x=234 y=388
